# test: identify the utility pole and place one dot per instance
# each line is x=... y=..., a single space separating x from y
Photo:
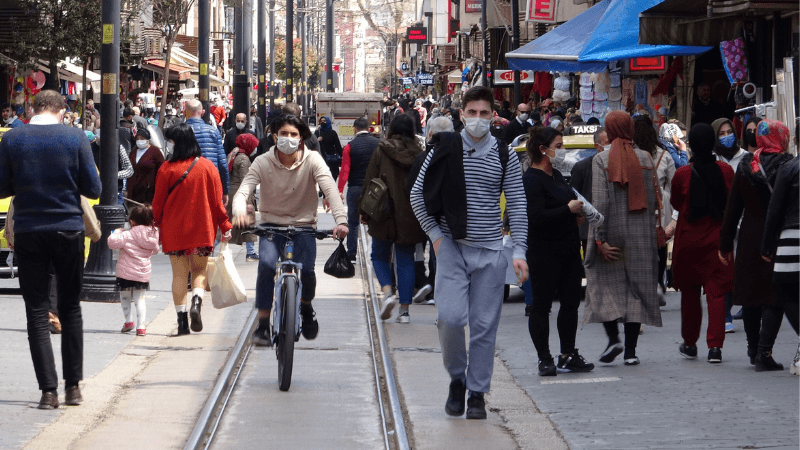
x=262 y=63
x=301 y=4
x=243 y=65
x=485 y=36
x=514 y=46
x=271 y=57
x=289 y=50
x=204 y=32
x=99 y=278
x=329 y=44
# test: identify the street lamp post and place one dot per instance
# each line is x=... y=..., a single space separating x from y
x=204 y=31
x=289 y=50
x=99 y=278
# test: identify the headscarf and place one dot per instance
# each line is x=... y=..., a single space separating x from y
x=555 y=123
x=328 y=126
x=727 y=152
x=772 y=136
x=668 y=130
x=707 y=190
x=623 y=163
x=246 y=143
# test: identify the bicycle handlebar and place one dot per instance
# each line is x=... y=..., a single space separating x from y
x=264 y=230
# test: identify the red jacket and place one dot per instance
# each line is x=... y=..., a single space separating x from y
x=190 y=216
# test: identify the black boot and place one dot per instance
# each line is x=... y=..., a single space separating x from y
x=183 y=323
x=764 y=361
x=751 y=353
x=194 y=312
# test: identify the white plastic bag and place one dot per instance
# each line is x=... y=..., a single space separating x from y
x=227 y=288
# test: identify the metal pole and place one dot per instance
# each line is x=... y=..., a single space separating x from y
x=485 y=31
x=329 y=44
x=204 y=31
x=304 y=77
x=262 y=64
x=514 y=46
x=289 y=49
x=271 y=57
x=99 y=278
x=243 y=106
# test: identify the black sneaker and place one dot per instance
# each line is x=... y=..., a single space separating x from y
x=528 y=309
x=611 y=352
x=262 y=338
x=310 y=324
x=714 y=355
x=687 y=351
x=547 y=367
x=476 y=406
x=751 y=353
x=574 y=363
x=455 y=401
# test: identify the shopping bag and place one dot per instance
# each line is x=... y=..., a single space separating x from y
x=227 y=288
x=339 y=264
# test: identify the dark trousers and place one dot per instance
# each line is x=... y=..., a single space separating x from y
x=761 y=325
x=334 y=166
x=36 y=252
x=631 y=335
x=353 y=193
x=662 y=267
x=789 y=298
x=553 y=275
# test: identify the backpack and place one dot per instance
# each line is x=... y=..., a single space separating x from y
x=375 y=200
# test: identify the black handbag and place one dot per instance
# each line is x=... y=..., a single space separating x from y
x=339 y=265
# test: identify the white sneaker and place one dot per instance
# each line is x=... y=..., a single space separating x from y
x=794 y=369
x=403 y=317
x=423 y=292
x=387 y=307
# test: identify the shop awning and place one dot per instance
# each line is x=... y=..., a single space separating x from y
x=558 y=49
x=177 y=72
x=617 y=34
x=454 y=76
x=682 y=22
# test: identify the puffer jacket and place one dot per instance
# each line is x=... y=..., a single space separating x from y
x=211 y=147
x=136 y=246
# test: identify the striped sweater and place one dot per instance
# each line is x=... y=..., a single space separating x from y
x=482 y=174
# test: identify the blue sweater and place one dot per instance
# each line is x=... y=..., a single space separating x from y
x=211 y=146
x=47 y=168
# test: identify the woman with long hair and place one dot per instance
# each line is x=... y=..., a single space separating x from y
x=621 y=260
x=554 y=253
x=329 y=145
x=188 y=209
x=699 y=192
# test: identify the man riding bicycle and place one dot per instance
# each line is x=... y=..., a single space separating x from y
x=288 y=179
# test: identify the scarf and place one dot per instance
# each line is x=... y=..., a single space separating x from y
x=327 y=126
x=772 y=136
x=726 y=152
x=707 y=190
x=245 y=143
x=623 y=164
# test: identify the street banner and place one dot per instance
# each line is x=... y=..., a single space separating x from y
x=506 y=77
x=543 y=11
x=425 y=79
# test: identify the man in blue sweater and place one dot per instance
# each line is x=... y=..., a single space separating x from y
x=210 y=142
x=47 y=166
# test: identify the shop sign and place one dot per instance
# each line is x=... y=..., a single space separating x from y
x=417 y=34
x=648 y=64
x=472 y=6
x=406 y=81
x=543 y=11
x=425 y=79
x=502 y=77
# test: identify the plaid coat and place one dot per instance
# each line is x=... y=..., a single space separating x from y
x=624 y=289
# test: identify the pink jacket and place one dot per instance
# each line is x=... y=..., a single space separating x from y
x=136 y=246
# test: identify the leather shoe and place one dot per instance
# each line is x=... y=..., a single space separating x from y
x=194 y=314
x=73 y=397
x=455 y=401
x=49 y=400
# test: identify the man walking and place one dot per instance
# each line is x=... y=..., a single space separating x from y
x=47 y=167
x=240 y=127
x=210 y=142
x=519 y=125
x=456 y=199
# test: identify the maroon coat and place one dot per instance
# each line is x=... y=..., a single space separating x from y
x=142 y=185
x=694 y=254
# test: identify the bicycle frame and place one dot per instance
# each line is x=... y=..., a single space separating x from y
x=286 y=268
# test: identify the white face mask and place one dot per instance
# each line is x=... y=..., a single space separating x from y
x=170 y=147
x=477 y=127
x=66 y=121
x=10 y=119
x=240 y=125
x=142 y=144
x=288 y=145
x=607 y=147
x=523 y=117
x=558 y=158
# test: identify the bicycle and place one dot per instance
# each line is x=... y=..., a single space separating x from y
x=288 y=289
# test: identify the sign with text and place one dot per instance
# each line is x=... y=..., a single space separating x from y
x=425 y=79
x=472 y=6
x=543 y=11
x=502 y=77
x=648 y=64
x=406 y=81
x=417 y=34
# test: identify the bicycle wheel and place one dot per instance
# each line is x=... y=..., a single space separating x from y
x=285 y=341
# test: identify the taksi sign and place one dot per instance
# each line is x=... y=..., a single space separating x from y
x=425 y=79
x=543 y=11
x=417 y=34
x=507 y=77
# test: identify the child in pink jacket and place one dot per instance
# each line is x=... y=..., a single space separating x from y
x=136 y=247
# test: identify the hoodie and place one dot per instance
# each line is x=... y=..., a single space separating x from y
x=136 y=246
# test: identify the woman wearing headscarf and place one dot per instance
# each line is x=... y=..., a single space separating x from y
x=329 y=145
x=670 y=136
x=699 y=192
x=726 y=148
x=145 y=159
x=749 y=134
x=621 y=260
x=748 y=200
x=238 y=165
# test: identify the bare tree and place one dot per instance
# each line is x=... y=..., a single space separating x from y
x=169 y=16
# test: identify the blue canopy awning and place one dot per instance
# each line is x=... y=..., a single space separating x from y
x=558 y=50
x=617 y=35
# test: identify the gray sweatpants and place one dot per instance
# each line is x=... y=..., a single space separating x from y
x=469 y=290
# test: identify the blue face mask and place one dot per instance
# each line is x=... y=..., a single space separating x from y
x=728 y=140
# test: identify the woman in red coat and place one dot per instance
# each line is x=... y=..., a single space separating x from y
x=699 y=193
x=188 y=209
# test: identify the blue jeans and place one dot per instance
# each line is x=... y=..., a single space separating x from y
x=305 y=253
x=404 y=263
x=353 y=193
x=528 y=290
x=250 y=247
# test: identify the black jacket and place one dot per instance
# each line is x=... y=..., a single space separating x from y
x=514 y=129
x=230 y=138
x=784 y=206
x=444 y=187
x=581 y=180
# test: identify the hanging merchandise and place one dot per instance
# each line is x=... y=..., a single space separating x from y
x=615 y=94
x=734 y=60
x=615 y=105
x=586 y=109
x=561 y=88
x=640 y=92
x=600 y=96
x=542 y=83
x=616 y=80
x=586 y=79
x=602 y=81
x=587 y=94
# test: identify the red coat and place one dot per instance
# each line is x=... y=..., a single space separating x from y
x=190 y=216
x=694 y=254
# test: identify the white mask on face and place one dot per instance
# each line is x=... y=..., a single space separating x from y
x=523 y=117
x=142 y=144
x=559 y=157
x=288 y=145
x=477 y=127
x=170 y=147
x=240 y=125
x=607 y=147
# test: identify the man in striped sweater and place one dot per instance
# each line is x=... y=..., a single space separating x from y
x=456 y=199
